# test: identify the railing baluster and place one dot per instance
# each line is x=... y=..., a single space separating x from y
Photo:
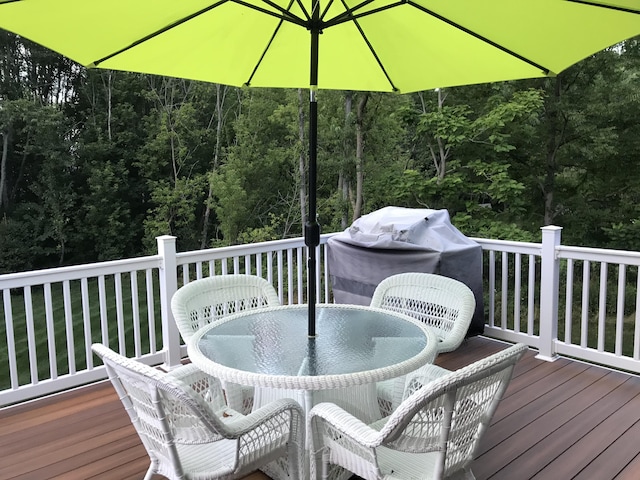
x=104 y=319
x=185 y=274
x=586 y=278
x=247 y=265
x=504 y=302
x=636 y=331
x=120 y=314
x=86 y=321
x=270 y=268
x=11 y=343
x=68 y=318
x=290 y=282
x=31 y=335
x=622 y=277
x=568 y=310
x=259 y=264
x=517 y=294
x=135 y=314
x=317 y=248
x=151 y=318
x=492 y=288
x=51 y=331
x=300 y=264
x=327 y=278
x=279 y=275
x=602 y=306
x=531 y=294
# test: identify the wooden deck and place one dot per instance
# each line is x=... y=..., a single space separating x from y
x=558 y=420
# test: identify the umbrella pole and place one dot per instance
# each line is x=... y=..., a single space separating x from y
x=312 y=229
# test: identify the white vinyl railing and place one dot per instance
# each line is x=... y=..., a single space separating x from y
x=578 y=302
x=51 y=317
x=573 y=301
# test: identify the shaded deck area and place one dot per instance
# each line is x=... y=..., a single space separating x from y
x=558 y=420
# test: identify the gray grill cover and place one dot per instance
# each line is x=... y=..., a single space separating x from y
x=396 y=240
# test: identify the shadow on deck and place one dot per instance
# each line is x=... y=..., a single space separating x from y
x=558 y=420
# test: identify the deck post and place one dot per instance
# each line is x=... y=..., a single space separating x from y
x=549 y=292
x=168 y=287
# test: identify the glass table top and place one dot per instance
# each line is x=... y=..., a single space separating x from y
x=350 y=340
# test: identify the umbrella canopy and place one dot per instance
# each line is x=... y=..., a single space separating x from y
x=370 y=45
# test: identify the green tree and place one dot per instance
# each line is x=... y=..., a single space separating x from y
x=259 y=181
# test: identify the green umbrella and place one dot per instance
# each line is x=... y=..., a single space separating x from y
x=371 y=45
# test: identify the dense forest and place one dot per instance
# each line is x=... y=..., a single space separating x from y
x=94 y=164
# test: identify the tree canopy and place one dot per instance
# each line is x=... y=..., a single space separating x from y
x=94 y=164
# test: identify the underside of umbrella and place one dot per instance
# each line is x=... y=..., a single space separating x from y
x=369 y=45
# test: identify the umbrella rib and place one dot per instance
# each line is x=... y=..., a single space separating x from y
x=373 y=51
x=264 y=52
x=602 y=5
x=304 y=10
x=350 y=15
x=285 y=16
x=158 y=32
x=545 y=70
x=326 y=9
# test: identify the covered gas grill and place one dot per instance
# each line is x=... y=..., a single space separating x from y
x=395 y=240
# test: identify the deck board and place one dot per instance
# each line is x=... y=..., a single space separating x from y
x=538 y=440
x=557 y=420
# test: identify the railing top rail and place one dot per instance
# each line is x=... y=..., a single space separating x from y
x=624 y=257
x=510 y=246
x=75 y=272
x=250 y=249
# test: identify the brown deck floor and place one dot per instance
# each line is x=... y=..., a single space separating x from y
x=558 y=420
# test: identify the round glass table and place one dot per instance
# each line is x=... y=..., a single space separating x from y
x=355 y=347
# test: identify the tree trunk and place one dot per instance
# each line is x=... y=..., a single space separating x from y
x=440 y=157
x=220 y=98
x=108 y=88
x=555 y=138
x=3 y=169
x=362 y=104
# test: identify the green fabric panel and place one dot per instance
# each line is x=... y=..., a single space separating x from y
x=418 y=46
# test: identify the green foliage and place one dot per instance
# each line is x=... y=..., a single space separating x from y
x=99 y=162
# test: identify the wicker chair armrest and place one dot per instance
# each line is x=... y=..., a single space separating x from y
x=187 y=373
x=279 y=423
x=274 y=413
x=206 y=386
x=421 y=377
x=329 y=414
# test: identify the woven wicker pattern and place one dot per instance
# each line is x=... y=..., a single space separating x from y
x=433 y=434
x=444 y=304
x=187 y=429
x=211 y=299
x=207 y=300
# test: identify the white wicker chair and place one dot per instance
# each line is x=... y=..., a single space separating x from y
x=211 y=299
x=444 y=304
x=434 y=433
x=188 y=431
